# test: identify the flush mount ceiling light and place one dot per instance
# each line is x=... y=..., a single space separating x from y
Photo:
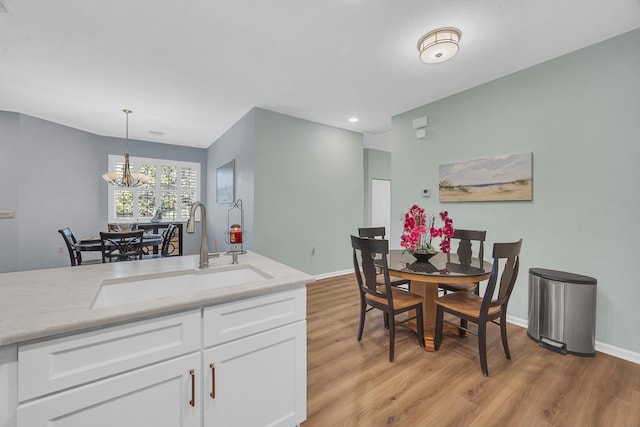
x=439 y=45
x=126 y=178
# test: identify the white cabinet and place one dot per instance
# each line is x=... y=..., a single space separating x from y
x=257 y=381
x=157 y=395
x=59 y=363
x=142 y=373
x=255 y=370
x=241 y=363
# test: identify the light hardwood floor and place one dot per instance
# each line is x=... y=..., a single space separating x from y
x=352 y=383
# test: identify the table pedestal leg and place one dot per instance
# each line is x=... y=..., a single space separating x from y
x=429 y=292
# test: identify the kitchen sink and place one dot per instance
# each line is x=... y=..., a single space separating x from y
x=122 y=291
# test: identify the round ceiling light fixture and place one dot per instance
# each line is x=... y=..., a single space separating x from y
x=439 y=45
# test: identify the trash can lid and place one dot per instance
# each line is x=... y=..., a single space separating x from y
x=562 y=276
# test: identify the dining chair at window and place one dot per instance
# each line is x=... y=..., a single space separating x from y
x=70 y=240
x=167 y=246
x=390 y=300
x=121 y=246
x=379 y=232
x=466 y=240
x=490 y=308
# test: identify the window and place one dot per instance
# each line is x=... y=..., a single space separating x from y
x=173 y=187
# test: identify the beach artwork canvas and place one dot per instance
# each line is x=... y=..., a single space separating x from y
x=500 y=178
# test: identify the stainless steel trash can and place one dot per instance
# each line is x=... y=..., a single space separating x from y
x=562 y=311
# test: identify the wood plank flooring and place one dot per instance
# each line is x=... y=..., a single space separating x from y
x=352 y=383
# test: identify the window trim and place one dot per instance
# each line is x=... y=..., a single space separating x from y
x=114 y=159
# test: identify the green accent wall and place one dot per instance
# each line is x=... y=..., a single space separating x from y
x=308 y=192
x=579 y=115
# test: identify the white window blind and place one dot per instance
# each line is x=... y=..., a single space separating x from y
x=173 y=187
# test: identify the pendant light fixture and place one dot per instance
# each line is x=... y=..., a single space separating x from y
x=439 y=45
x=126 y=178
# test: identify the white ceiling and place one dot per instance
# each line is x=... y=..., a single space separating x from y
x=191 y=69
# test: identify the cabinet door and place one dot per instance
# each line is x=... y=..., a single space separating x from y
x=158 y=395
x=258 y=380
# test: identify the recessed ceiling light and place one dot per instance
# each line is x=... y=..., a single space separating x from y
x=353 y=120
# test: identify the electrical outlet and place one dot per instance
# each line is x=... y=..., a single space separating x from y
x=60 y=250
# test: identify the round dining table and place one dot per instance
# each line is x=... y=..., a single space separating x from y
x=425 y=277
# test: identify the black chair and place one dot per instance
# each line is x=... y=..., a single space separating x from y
x=390 y=300
x=167 y=246
x=470 y=307
x=372 y=233
x=70 y=240
x=465 y=252
x=121 y=246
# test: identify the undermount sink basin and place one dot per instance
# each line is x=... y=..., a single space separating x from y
x=141 y=288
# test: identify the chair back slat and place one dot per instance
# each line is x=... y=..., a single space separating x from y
x=121 y=246
x=371 y=250
x=507 y=254
x=467 y=238
x=372 y=232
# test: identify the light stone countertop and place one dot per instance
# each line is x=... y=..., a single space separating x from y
x=42 y=303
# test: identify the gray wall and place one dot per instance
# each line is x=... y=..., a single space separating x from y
x=308 y=192
x=580 y=116
x=236 y=144
x=9 y=194
x=53 y=179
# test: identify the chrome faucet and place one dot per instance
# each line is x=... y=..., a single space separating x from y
x=191 y=228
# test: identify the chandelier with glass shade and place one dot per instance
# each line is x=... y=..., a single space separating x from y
x=126 y=178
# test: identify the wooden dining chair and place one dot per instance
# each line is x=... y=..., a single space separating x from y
x=466 y=240
x=70 y=240
x=379 y=232
x=492 y=307
x=121 y=246
x=388 y=299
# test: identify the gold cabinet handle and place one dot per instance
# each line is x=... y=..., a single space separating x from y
x=213 y=380
x=192 y=402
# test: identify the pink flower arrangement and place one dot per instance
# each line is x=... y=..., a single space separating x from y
x=446 y=232
x=414 y=236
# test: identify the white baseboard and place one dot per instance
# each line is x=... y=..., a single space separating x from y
x=618 y=352
x=333 y=274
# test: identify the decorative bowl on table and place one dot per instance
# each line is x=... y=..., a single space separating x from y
x=422 y=256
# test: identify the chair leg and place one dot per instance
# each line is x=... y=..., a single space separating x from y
x=503 y=332
x=438 y=333
x=363 y=309
x=420 y=325
x=482 y=347
x=463 y=324
x=386 y=320
x=392 y=335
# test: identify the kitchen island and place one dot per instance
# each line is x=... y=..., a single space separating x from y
x=135 y=343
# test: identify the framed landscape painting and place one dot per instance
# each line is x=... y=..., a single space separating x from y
x=499 y=178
